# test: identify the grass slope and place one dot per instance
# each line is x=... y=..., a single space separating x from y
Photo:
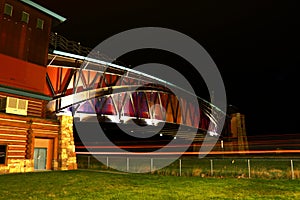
x=95 y=185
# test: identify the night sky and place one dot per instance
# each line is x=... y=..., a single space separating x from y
x=255 y=45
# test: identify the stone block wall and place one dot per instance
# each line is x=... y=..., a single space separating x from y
x=17 y=165
x=66 y=146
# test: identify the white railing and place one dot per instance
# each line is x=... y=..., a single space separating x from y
x=269 y=168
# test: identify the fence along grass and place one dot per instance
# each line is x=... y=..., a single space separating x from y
x=207 y=167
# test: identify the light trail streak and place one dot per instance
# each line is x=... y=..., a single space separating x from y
x=256 y=144
x=192 y=153
x=137 y=146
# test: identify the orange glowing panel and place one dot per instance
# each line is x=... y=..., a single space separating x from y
x=21 y=74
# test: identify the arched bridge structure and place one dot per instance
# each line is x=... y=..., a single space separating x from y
x=116 y=94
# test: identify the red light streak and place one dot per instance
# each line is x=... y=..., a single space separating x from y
x=193 y=153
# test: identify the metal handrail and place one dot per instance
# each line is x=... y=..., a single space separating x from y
x=62 y=43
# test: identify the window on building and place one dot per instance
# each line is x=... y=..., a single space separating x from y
x=40 y=23
x=2 y=153
x=25 y=17
x=8 y=9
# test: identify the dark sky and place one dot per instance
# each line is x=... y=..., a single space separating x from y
x=255 y=45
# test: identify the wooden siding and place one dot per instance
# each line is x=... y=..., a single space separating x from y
x=15 y=130
x=36 y=107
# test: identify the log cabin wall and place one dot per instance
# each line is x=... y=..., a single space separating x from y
x=18 y=133
x=36 y=107
x=23 y=136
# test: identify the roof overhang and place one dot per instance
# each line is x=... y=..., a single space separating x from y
x=45 y=10
x=21 y=92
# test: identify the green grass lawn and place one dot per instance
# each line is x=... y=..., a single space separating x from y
x=97 y=185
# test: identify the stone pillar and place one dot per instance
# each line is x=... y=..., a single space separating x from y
x=66 y=146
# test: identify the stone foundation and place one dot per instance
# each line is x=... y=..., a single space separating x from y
x=66 y=146
x=17 y=166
